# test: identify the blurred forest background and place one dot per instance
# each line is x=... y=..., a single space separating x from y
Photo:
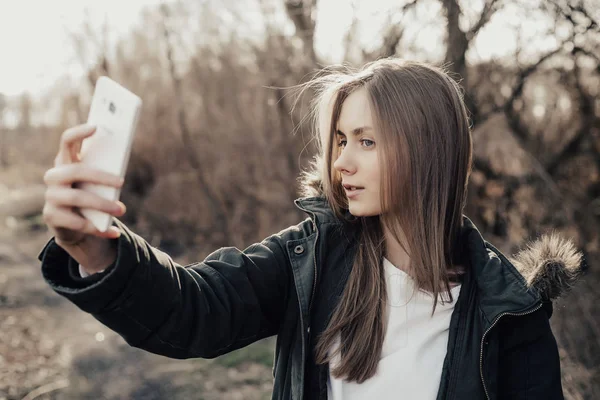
x=218 y=152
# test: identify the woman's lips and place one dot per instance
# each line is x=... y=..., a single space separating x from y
x=353 y=191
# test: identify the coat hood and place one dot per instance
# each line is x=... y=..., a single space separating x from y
x=550 y=265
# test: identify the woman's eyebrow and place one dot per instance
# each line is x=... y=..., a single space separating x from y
x=356 y=131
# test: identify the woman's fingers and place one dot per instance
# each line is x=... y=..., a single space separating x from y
x=63 y=201
x=65 y=218
x=68 y=174
x=70 y=143
x=62 y=196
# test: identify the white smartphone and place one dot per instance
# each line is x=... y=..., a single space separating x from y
x=115 y=112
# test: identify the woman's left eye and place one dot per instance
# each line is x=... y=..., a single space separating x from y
x=367 y=143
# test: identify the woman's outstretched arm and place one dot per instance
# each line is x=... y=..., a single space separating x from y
x=205 y=309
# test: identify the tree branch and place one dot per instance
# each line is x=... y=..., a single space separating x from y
x=408 y=6
x=588 y=53
x=491 y=6
x=589 y=120
x=392 y=37
x=580 y=8
x=390 y=42
x=302 y=15
x=519 y=129
x=524 y=74
x=512 y=116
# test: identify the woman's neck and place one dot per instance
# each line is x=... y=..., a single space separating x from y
x=400 y=258
x=394 y=251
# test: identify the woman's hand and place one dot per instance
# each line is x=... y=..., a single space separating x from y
x=63 y=199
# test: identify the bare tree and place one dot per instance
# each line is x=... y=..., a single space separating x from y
x=459 y=40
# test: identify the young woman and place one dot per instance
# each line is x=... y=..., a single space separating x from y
x=385 y=291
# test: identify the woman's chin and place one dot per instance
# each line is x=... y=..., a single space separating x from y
x=359 y=210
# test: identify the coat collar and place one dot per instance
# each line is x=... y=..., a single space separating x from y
x=545 y=269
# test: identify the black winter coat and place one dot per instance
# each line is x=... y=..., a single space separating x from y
x=500 y=343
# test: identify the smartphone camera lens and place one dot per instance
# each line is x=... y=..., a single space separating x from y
x=112 y=108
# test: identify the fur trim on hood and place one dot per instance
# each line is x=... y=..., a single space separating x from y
x=311 y=184
x=550 y=265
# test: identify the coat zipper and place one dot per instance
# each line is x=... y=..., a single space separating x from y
x=313 y=220
x=487 y=396
x=312 y=295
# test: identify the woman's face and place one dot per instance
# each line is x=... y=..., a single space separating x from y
x=358 y=161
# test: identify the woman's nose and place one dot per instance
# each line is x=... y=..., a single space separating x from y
x=344 y=163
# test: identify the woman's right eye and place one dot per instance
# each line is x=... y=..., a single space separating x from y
x=342 y=143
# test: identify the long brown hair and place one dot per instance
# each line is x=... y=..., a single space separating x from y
x=425 y=147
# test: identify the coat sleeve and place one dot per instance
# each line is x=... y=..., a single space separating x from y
x=205 y=309
x=529 y=361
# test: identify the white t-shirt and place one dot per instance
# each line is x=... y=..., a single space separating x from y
x=414 y=346
x=84 y=274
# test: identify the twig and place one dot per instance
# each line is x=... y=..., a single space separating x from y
x=589 y=119
x=50 y=387
x=489 y=9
